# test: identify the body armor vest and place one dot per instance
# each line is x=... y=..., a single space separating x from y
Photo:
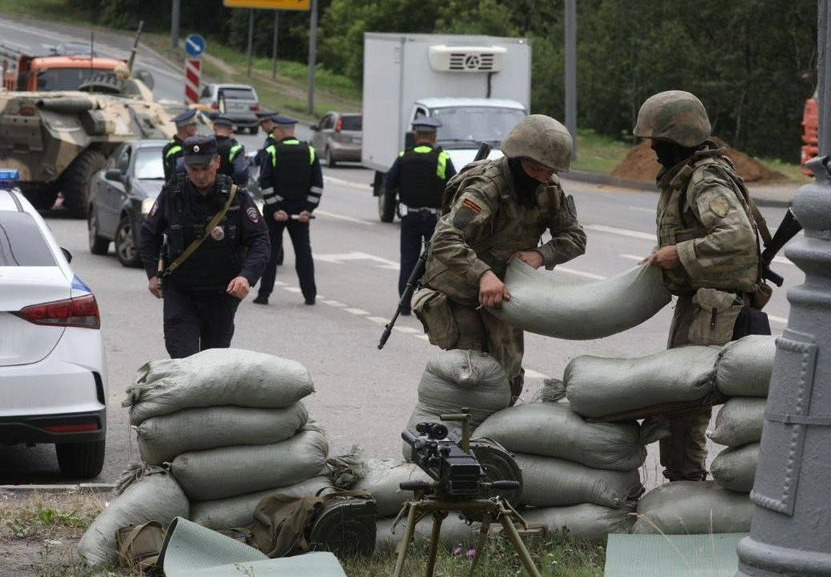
x=225 y=147
x=420 y=184
x=293 y=168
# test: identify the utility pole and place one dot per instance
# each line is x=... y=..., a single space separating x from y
x=312 y=56
x=175 y=13
x=274 y=45
x=250 y=39
x=571 y=73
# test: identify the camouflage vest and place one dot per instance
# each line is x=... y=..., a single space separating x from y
x=512 y=227
x=677 y=222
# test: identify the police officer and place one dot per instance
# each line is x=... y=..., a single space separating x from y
x=217 y=247
x=708 y=250
x=291 y=182
x=419 y=174
x=264 y=117
x=499 y=211
x=172 y=151
x=231 y=153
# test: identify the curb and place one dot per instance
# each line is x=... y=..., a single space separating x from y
x=90 y=487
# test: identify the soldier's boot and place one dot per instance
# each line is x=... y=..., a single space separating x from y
x=684 y=452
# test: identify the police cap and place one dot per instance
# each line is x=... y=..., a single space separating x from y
x=223 y=121
x=263 y=114
x=185 y=118
x=281 y=121
x=426 y=124
x=199 y=150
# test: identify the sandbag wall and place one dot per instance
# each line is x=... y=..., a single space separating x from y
x=217 y=431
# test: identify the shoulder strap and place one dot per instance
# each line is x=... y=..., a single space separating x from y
x=198 y=242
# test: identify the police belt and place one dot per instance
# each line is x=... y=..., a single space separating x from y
x=405 y=210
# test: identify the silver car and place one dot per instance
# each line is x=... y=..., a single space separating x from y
x=338 y=136
x=239 y=102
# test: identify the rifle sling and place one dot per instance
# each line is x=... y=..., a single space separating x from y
x=198 y=242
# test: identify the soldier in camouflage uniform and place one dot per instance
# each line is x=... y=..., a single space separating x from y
x=707 y=248
x=499 y=211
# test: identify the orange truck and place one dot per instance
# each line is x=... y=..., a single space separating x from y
x=31 y=72
x=810 y=132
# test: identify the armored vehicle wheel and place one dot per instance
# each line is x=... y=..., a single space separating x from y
x=80 y=460
x=97 y=244
x=125 y=247
x=330 y=158
x=386 y=206
x=76 y=181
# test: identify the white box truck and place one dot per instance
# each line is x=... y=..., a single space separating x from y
x=479 y=87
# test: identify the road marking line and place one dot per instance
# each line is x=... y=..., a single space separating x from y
x=354 y=311
x=532 y=374
x=346 y=218
x=580 y=273
x=409 y=330
x=642 y=209
x=349 y=183
x=779 y=320
x=292 y=289
x=621 y=231
x=332 y=303
x=349 y=256
x=378 y=320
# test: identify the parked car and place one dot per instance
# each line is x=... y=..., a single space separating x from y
x=53 y=381
x=337 y=137
x=122 y=194
x=239 y=102
x=73 y=49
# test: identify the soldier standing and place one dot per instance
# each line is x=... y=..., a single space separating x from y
x=291 y=182
x=172 y=151
x=214 y=245
x=419 y=174
x=499 y=211
x=707 y=249
x=231 y=152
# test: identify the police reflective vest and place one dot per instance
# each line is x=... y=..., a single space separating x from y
x=228 y=149
x=422 y=178
x=171 y=152
x=291 y=181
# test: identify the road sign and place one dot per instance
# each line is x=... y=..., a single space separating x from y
x=193 y=71
x=195 y=45
x=269 y=4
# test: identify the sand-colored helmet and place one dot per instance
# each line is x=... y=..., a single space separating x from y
x=675 y=116
x=122 y=72
x=540 y=138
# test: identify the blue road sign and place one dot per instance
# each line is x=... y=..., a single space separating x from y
x=195 y=45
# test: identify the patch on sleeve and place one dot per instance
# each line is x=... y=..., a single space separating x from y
x=253 y=214
x=472 y=206
x=720 y=206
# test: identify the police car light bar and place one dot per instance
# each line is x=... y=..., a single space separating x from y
x=9 y=176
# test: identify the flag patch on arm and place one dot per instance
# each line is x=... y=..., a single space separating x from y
x=472 y=206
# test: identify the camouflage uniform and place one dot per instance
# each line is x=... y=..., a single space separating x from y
x=484 y=228
x=703 y=212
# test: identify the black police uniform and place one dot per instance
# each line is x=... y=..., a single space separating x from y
x=419 y=174
x=291 y=180
x=198 y=313
x=171 y=153
x=232 y=161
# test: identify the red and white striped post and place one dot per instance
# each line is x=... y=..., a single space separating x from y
x=193 y=71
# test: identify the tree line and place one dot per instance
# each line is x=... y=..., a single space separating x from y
x=752 y=63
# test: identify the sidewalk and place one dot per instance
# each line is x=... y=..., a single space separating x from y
x=779 y=194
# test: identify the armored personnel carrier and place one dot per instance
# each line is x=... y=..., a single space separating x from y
x=59 y=140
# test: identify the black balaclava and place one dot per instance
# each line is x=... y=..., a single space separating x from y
x=669 y=153
x=526 y=187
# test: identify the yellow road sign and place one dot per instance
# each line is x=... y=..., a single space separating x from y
x=269 y=4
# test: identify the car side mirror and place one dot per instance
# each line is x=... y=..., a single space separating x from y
x=314 y=127
x=114 y=174
x=67 y=255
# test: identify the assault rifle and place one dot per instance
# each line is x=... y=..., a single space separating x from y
x=418 y=270
x=788 y=228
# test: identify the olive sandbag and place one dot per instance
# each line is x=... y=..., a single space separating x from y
x=239 y=511
x=162 y=438
x=383 y=479
x=745 y=366
x=601 y=386
x=156 y=496
x=229 y=471
x=584 y=522
x=551 y=482
x=454 y=531
x=693 y=508
x=739 y=422
x=554 y=430
x=735 y=467
x=542 y=303
x=456 y=379
x=216 y=377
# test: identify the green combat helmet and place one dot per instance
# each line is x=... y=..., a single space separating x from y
x=540 y=138
x=675 y=116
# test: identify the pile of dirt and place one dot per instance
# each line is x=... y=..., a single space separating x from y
x=640 y=165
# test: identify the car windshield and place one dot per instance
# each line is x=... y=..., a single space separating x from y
x=352 y=122
x=238 y=94
x=65 y=78
x=476 y=124
x=21 y=242
x=149 y=164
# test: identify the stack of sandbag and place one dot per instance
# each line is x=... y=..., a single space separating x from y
x=459 y=379
x=577 y=475
x=743 y=372
x=230 y=426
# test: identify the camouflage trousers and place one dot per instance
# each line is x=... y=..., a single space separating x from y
x=684 y=452
x=481 y=331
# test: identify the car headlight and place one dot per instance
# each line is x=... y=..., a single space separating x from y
x=146 y=205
